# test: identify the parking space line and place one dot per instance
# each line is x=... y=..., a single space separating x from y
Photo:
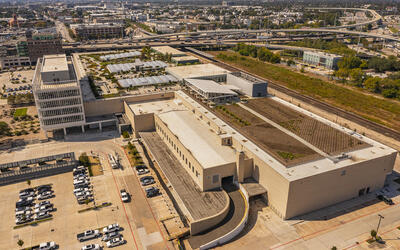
x=148 y=204
x=123 y=205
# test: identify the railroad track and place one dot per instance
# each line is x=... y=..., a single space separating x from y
x=316 y=103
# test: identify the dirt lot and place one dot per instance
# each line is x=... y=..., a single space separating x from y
x=324 y=137
x=284 y=147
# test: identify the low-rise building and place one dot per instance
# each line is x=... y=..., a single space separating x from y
x=185 y=59
x=247 y=84
x=14 y=61
x=323 y=59
x=97 y=30
x=168 y=50
x=210 y=91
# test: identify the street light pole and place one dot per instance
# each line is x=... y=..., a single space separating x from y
x=379 y=223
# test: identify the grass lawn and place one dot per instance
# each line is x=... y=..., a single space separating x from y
x=379 y=110
x=20 y=112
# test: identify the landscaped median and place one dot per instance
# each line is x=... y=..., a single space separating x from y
x=376 y=109
x=33 y=222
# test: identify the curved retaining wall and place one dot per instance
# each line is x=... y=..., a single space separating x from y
x=208 y=222
x=232 y=234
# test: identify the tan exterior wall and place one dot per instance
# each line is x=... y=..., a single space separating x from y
x=331 y=187
x=143 y=123
x=206 y=223
x=187 y=160
x=116 y=105
x=203 y=177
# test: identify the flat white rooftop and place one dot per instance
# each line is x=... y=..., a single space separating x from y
x=53 y=63
x=185 y=58
x=196 y=136
x=167 y=49
x=208 y=86
x=196 y=71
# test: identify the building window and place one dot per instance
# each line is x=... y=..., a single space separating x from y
x=197 y=174
x=343 y=172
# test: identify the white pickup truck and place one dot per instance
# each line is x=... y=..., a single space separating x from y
x=87 y=235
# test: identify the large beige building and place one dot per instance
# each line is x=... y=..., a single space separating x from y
x=213 y=152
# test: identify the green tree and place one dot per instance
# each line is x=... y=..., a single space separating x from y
x=84 y=160
x=373 y=84
x=20 y=242
x=357 y=76
x=349 y=62
x=373 y=234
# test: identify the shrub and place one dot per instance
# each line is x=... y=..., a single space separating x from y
x=84 y=160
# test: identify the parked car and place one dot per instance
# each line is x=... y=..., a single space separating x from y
x=81 y=194
x=18 y=209
x=77 y=190
x=43 y=187
x=43 y=203
x=45 y=195
x=111 y=228
x=91 y=247
x=141 y=169
x=42 y=215
x=124 y=195
x=23 y=203
x=84 y=199
x=25 y=195
x=115 y=242
x=20 y=214
x=146 y=180
x=87 y=235
x=22 y=220
x=109 y=236
x=152 y=191
x=385 y=199
x=47 y=245
x=44 y=209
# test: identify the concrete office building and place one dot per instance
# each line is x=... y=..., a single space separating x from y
x=213 y=152
x=57 y=93
x=37 y=45
x=98 y=30
x=185 y=60
x=249 y=85
x=323 y=59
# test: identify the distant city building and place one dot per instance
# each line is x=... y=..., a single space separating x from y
x=41 y=44
x=97 y=30
x=323 y=59
x=57 y=93
x=14 y=61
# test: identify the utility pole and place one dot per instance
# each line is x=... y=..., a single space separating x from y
x=379 y=223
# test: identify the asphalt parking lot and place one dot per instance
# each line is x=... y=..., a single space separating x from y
x=139 y=218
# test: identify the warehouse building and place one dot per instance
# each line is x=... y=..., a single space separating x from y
x=236 y=81
x=214 y=151
x=210 y=91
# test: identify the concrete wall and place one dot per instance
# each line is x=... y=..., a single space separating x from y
x=247 y=87
x=335 y=186
x=208 y=222
x=223 y=171
x=116 y=105
x=143 y=123
x=35 y=173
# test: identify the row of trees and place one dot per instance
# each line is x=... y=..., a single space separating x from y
x=263 y=54
x=352 y=67
x=333 y=46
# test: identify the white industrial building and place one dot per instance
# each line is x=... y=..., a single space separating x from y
x=208 y=90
